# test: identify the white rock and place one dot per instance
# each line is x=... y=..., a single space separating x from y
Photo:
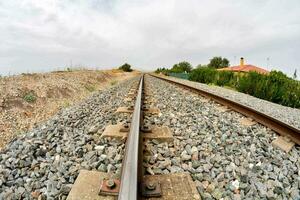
x=194 y=149
x=99 y=148
x=236 y=184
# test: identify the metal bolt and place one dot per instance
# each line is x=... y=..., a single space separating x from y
x=124 y=128
x=145 y=108
x=110 y=183
x=151 y=185
x=146 y=129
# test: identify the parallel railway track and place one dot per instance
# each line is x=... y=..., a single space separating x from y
x=268 y=121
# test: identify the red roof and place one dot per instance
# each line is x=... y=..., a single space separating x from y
x=246 y=68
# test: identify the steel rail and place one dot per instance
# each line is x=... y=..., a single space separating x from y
x=129 y=179
x=268 y=121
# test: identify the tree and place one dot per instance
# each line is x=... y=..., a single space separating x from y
x=218 y=62
x=126 y=68
x=200 y=66
x=295 y=74
x=182 y=67
x=161 y=70
x=185 y=66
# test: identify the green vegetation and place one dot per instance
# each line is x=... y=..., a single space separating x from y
x=30 y=97
x=275 y=87
x=114 y=82
x=226 y=78
x=186 y=67
x=203 y=75
x=126 y=68
x=69 y=69
x=181 y=67
x=90 y=87
x=66 y=103
x=295 y=74
x=161 y=70
x=218 y=62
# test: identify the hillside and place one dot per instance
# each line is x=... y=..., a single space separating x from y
x=28 y=99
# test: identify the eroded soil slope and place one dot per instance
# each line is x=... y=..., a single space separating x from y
x=28 y=99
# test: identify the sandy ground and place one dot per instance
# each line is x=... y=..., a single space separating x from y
x=28 y=99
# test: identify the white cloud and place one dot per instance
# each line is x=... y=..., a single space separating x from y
x=43 y=35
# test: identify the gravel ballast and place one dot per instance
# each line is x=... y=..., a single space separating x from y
x=45 y=162
x=227 y=160
x=285 y=114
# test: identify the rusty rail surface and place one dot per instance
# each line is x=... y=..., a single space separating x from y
x=129 y=178
x=268 y=121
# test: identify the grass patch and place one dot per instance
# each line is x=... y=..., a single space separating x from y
x=66 y=104
x=30 y=97
x=114 y=82
x=90 y=87
x=230 y=88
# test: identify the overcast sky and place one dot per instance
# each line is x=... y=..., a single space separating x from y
x=44 y=35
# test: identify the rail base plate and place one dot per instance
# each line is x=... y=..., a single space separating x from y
x=149 y=100
x=174 y=187
x=124 y=110
x=162 y=134
x=283 y=143
x=114 y=131
x=247 y=122
x=152 y=111
x=128 y=99
x=223 y=109
x=132 y=94
x=87 y=186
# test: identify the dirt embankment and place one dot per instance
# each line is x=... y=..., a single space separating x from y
x=28 y=99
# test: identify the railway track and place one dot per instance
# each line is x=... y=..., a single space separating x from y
x=268 y=121
x=173 y=144
x=134 y=183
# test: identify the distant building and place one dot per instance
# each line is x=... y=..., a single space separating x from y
x=245 y=68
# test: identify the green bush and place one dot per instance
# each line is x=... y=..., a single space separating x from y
x=30 y=97
x=203 y=75
x=275 y=87
x=126 y=68
x=292 y=95
x=161 y=70
x=225 y=78
x=181 y=67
